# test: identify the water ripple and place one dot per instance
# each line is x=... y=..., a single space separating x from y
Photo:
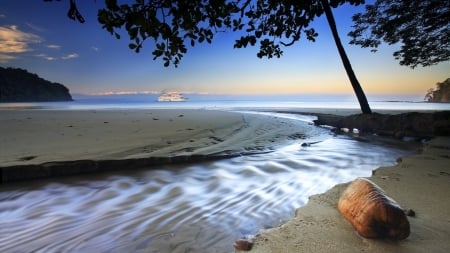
x=192 y=208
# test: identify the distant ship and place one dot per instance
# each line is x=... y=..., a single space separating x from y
x=171 y=96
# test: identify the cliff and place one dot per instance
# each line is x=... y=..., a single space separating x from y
x=19 y=85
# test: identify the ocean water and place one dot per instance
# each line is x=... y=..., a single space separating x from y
x=238 y=102
x=201 y=207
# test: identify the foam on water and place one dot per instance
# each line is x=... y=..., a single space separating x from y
x=199 y=207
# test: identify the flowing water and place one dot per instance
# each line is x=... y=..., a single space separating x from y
x=202 y=207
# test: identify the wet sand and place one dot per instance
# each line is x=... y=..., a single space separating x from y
x=42 y=136
x=420 y=182
x=42 y=143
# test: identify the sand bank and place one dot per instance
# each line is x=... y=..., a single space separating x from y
x=420 y=182
x=41 y=143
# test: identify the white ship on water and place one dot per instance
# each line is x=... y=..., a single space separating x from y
x=171 y=96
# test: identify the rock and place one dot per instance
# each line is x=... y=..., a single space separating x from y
x=411 y=124
x=410 y=213
x=243 y=244
x=372 y=213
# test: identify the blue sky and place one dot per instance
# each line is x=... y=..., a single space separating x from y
x=38 y=36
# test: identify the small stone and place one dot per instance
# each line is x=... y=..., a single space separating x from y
x=243 y=244
x=410 y=213
x=27 y=158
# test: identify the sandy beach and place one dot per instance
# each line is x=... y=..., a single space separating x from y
x=42 y=143
x=420 y=182
x=47 y=141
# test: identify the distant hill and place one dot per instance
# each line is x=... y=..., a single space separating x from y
x=440 y=94
x=19 y=85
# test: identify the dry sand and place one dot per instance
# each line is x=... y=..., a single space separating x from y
x=420 y=182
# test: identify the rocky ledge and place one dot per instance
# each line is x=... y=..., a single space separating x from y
x=413 y=124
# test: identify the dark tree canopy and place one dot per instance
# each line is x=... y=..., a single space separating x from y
x=172 y=24
x=275 y=23
x=422 y=27
x=19 y=85
x=73 y=12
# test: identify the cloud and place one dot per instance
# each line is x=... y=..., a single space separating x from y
x=109 y=93
x=96 y=49
x=44 y=56
x=2 y=16
x=54 y=46
x=4 y=58
x=35 y=27
x=14 y=41
x=70 y=56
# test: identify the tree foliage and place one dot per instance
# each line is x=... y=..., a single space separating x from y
x=174 y=24
x=73 y=12
x=421 y=27
x=441 y=93
x=170 y=24
x=19 y=85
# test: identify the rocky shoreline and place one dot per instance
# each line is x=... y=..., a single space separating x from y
x=416 y=125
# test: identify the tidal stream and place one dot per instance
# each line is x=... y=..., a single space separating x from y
x=202 y=207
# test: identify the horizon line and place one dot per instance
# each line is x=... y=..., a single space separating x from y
x=153 y=92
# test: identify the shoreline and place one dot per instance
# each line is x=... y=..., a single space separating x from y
x=136 y=139
x=420 y=182
x=52 y=143
x=46 y=144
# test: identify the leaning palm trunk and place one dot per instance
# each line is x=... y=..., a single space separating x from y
x=365 y=108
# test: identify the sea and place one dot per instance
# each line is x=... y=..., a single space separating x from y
x=400 y=102
x=199 y=207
